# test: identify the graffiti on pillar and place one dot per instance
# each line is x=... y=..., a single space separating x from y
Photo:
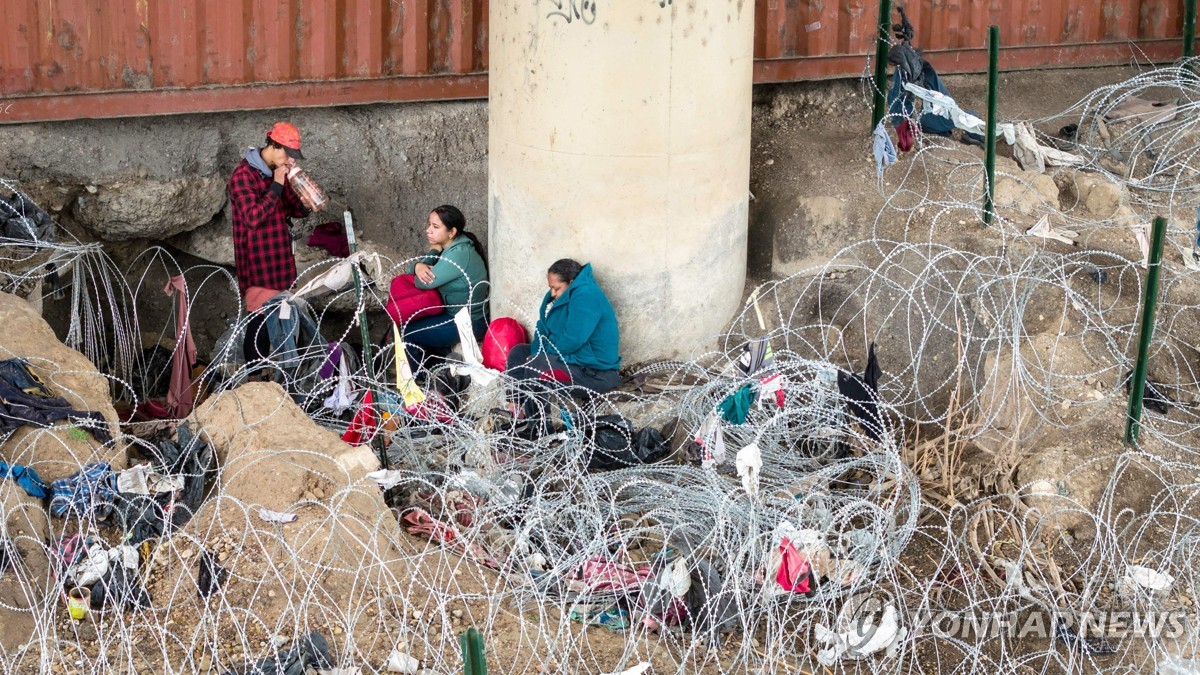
x=574 y=10
x=583 y=10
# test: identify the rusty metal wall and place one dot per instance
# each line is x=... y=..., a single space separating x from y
x=62 y=59
x=801 y=39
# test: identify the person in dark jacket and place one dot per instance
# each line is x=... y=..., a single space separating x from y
x=456 y=266
x=577 y=339
x=262 y=204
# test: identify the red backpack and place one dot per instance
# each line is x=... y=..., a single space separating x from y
x=406 y=301
x=502 y=335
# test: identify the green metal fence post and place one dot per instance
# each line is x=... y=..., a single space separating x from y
x=1137 y=386
x=884 y=40
x=368 y=363
x=474 y=662
x=989 y=158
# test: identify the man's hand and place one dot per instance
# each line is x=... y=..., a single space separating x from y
x=308 y=205
x=281 y=173
x=424 y=273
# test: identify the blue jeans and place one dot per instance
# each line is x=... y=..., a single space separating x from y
x=435 y=336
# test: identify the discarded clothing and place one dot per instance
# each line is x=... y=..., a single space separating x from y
x=296 y=347
x=904 y=30
x=736 y=407
x=904 y=135
x=758 y=356
x=1031 y=154
x=798 y=558
x=1043 y=229
x=8 y=555
x=707 y=447
x=599 y=574
x=330 y=236
x=1027 y=150
x=862 y=394
x=179 y=397
x=1064 y=633
x=854 y=638
x=795 y=574
x=90 y=568
x=907 y=61
x=26 y=401
x=885 y=152
x=26 y=478
x=283 y=518
x=87 y=494
x=749 y=464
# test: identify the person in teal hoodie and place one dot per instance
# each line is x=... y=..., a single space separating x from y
x=457 y=267
x=576 y=335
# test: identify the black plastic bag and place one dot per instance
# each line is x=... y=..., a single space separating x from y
x=119 y=588
x=310 y=651
x=614 y=444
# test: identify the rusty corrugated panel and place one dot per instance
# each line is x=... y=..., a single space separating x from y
x=68 y=58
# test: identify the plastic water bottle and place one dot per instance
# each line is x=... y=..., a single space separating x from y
x=306 y=187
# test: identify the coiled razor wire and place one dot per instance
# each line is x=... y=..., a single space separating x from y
x=993 y=482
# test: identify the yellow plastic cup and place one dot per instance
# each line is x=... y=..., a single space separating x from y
x=79 y=601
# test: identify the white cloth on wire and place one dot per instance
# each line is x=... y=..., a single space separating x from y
x=1027 y=151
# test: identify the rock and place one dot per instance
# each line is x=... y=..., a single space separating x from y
x=212 y=241
x=1096 y=195
x=55 y=452
x=1059 y=484
x=1028 y=193
x=150 y=208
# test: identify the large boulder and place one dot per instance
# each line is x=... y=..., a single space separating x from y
x=61 y=449
x=339 y=552
x=151 y=209
x=1027 y=194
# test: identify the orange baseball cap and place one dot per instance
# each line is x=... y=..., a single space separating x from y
x=287 y=135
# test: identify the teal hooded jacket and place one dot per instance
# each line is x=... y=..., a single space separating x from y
x=580 y=327
x=460 y=276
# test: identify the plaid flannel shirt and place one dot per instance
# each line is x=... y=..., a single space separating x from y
x=262 y=235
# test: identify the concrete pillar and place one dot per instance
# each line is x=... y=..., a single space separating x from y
x=619 y=134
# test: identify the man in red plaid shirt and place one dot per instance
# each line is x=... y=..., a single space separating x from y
x=262 y=202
